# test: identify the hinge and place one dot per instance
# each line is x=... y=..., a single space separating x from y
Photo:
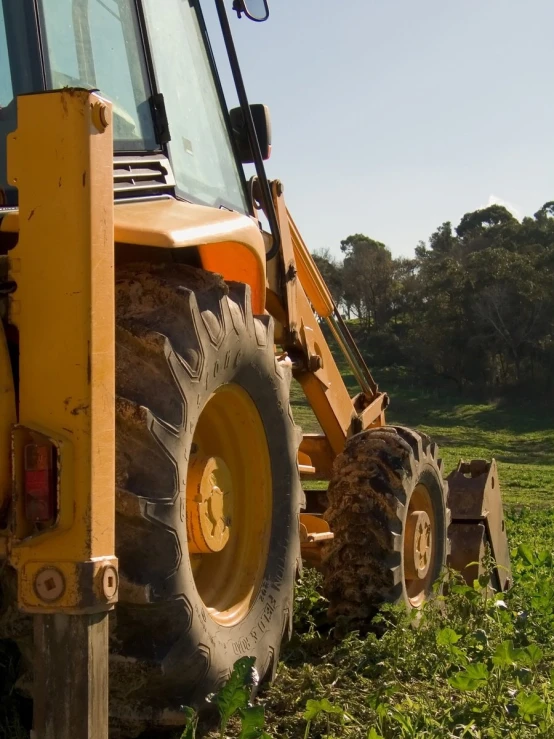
x=161 y=124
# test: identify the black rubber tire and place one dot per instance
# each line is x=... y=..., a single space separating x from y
x=181 y=333
x=369 y=496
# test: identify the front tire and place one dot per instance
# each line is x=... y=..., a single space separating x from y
x=208 y=492
x=387 y=510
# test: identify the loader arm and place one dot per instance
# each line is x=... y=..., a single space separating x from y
x=298 y=297
x=300 y=301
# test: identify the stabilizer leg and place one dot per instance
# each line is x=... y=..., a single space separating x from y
x=477 y=521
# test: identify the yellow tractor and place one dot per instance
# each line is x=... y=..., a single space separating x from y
x=152 y=513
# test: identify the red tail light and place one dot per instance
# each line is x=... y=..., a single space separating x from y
x=39 y=483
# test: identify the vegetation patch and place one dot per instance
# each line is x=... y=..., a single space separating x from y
x=475 y=664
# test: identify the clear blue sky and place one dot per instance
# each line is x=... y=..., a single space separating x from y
x=392 y=116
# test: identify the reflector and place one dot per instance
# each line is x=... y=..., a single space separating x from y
x=40 y=492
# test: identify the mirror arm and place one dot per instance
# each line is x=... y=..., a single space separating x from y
x=267 y=200
x=237 y=8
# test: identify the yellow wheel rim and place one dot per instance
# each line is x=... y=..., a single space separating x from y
x=229 y=504
x=419 y=546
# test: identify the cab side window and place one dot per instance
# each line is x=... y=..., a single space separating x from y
x=6 y=87
x=7 y=106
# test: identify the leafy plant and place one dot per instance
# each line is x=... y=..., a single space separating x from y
x=235 y=694
x=477 y=664
x=317 y=708
x=233 y=699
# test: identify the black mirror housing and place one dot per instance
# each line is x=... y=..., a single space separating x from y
x=256 y=10
x=262 y=124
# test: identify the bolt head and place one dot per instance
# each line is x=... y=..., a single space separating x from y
x=100 y=116
x=110 y=581
x=49 y=584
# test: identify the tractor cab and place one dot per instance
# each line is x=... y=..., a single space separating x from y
x=152 y=61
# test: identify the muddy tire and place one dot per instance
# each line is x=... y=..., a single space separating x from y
x=387 y=509
x=197 y=379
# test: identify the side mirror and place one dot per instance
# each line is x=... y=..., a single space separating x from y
x=256 y=10
x=262 y=124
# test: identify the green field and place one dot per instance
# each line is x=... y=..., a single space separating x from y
x=475 y=664
x=474 y=667
x=519 y=436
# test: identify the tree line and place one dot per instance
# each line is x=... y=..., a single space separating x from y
x=474 y=306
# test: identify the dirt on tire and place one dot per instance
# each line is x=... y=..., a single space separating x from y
x=368 y=501
x=181 y=334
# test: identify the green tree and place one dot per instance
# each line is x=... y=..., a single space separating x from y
x=367 y=279
x=331 y=271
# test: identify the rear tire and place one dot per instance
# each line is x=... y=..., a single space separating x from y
x=387 y=497
x=185 y=338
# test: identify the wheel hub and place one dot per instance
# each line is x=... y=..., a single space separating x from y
x=229 y=504
x=210 y=501
x=418 y=545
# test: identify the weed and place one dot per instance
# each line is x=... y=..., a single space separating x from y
x=310 y=607
x=233 y=699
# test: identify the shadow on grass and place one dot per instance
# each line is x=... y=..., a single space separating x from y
x=15 y=709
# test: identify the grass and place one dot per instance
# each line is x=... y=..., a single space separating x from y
x=476 y=665
x=519 y=435
x=465 y=671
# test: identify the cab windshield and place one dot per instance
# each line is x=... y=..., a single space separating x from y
x=106 y=45
x=96 y=44
x=201 y=153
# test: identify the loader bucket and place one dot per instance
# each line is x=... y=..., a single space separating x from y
x=477 y=522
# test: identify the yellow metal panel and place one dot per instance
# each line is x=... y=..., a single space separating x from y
x=64 y=309
x=317 y=448
x=174 y=223
x=289 y=286
x=229 y=243
x=236 y=263
x=374 y=413
x=171 y=223
x=10 y=222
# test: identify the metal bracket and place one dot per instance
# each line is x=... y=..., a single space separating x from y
x=474 y=500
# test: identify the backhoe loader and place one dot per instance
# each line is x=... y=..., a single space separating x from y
x=155 y=501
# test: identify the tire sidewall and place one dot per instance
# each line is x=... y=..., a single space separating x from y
x=239 y=359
